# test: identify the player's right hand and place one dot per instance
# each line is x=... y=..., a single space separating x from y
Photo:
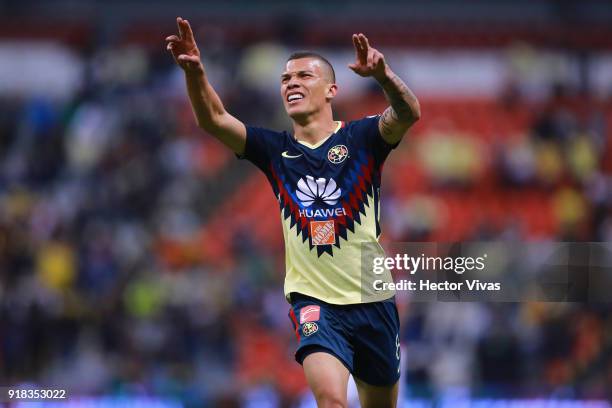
x=184 y=48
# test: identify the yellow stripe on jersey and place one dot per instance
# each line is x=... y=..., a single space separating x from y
x=314 y=146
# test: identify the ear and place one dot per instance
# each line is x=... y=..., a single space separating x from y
x=332 y=90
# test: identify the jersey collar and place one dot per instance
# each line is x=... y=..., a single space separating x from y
x=339 y=125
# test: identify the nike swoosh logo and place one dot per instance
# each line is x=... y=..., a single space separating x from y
x=288 y=156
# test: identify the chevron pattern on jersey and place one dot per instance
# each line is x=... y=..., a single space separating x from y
x=356 y=186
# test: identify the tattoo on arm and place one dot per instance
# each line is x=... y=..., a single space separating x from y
x=404 y=109
x=387 y=120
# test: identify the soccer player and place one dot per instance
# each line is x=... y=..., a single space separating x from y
x=326 y=176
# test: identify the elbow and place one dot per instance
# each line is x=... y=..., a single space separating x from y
x=410 y=113
x=204 y=124
x=410 y=117
x=416 y=112
x=210 y=129
x=209 y=123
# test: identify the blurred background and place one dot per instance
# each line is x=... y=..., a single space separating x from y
x=140 y=259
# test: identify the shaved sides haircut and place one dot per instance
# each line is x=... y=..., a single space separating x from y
x=310 y=54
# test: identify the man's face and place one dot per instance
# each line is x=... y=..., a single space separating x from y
x=305 y=87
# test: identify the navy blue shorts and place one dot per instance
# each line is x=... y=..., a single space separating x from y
x=364 y=337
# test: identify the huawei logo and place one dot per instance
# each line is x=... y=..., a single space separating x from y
x=312 y=189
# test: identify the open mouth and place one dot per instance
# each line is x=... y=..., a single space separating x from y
x=295 y=97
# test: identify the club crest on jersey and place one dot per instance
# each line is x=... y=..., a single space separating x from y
x=309 y=328
x=337 y=154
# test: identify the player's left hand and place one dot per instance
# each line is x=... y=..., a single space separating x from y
x=368 y=60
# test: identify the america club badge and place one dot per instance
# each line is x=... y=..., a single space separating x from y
x=337 y=154
x=309 y=328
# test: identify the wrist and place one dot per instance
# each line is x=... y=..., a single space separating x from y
x=384 y=77
x=195 y=72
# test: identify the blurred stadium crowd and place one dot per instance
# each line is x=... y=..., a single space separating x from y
x=138 y=256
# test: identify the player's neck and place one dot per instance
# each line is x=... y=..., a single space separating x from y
x=315 y=130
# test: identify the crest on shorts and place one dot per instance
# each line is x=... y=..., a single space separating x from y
x=309 y=328
x=337 y=154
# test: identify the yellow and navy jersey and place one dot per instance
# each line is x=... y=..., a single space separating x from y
x=328 y=196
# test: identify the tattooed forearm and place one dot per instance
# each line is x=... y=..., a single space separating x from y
x=404 y=109
x=401 y=98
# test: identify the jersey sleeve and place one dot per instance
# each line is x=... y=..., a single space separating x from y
x=261 y=146
x=368 y=129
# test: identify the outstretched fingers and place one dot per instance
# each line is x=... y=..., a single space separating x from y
x=183 y=47
x=367 y=50
x=368 y=60
x=356 y=44
x=185 y=30
x=179 y=26
x=365 y=42
x=361 y=52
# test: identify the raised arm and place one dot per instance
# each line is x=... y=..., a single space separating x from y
x=207 y=107
x=404 y=109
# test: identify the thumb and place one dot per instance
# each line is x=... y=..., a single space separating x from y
x=353 y=67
